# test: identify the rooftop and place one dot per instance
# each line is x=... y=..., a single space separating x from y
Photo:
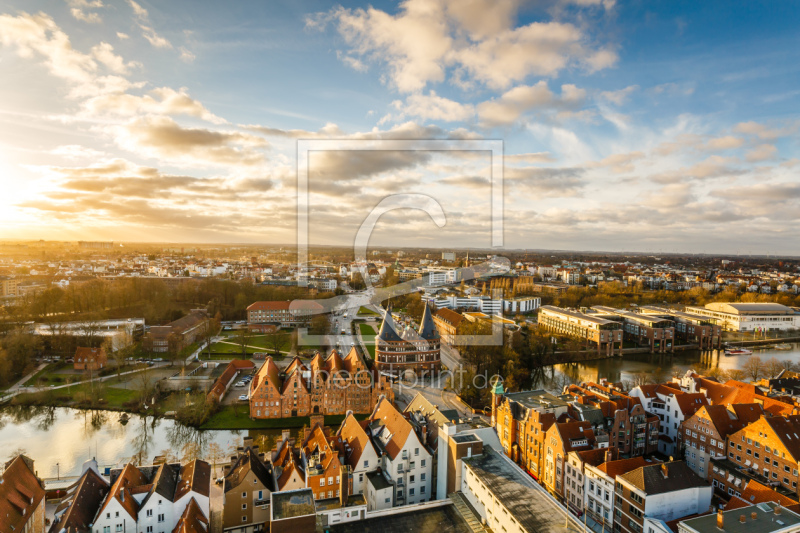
x=765 y=521
x=536 y=399
x=530 y=506
x=292 y=503
x=444 y=519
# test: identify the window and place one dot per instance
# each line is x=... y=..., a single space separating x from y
x=244 y=495
x=416 y=451
x=161 y=517
x=322 y=482
x=422 y=476
x=119 y=527
x=366 y=464
x=149 y=512
x=107 y=529
x=411 y=491
x=422 y=463
x=244 y=506
x=422 y=489
x=149 y=529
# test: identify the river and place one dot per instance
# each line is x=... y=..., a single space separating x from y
x=60 y=439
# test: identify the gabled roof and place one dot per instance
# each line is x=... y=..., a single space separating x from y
x=249 y=461
x=121 y=490
x=21 y=492
x=427 y=329
x=194 y=477
x=356 y=439
x=721 y=418
x=388 y=331
x=268 y=372
x=192 y=520
x=747 y=412
x=420 y=404
x=787 y=429
x=754 y=493
x=78 y=509
x=389 y=428
x=317 y=442
x=89 y=354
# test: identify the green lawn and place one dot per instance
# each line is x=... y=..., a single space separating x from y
x=363 y=311
x=227 y=419
x=368 y=334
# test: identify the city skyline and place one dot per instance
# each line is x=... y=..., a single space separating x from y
x=656 y=128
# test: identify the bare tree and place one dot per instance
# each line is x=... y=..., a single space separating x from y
x=242 y=339
x=736 y=374
x=753 y=367
x=773 y=367
x=215 y=454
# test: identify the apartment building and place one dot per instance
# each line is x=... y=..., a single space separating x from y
x=689 y=328
x=324 y=473
x=630 y=428
x=768 y=448
x=359 y=453
x=247 y=487
x=605 y=334
x=742 y=317
x=153 y=498
x=406 y=463
x=664 y=491
x=766 y=517
x=263 y=316
x=8 y=286
x=521 y=420
x=410 y=350
x=93 y=359
x=672 y=406
x=328 y=386
x=574 y=475
x=559 y=440
x=447 y=322
x=599 y=491
x=178 y=334
x=22 y=499
x=646 y=330
x=705 y=434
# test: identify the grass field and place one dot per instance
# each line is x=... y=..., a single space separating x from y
x=363 y=311
x=226 y=418
x=368 y=334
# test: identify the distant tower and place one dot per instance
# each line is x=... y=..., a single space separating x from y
x=466 y=261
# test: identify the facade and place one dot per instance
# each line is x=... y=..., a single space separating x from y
x=598 y=488
x=672 y=406
x=8 y=286
x=664 y=491
x=705 y=434
x=93 y=359
x=359 y=454
x=690 y=328
x=153 y=498
x=560 y=440
x=396 y=352
x=656 y=332
x=265 y=315
x=447 y=322
x=246 y=492
x=21 y=498
x=749 y=316
x=601 y=332
x=406 y=462
x=178 y=334
x=330 y=386
x=575 y=472
x=324 y=473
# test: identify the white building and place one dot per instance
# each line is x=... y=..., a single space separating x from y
x=522 y=305
x=672 y=406
x=407 y=464
x=359 y=454
x=749 y=316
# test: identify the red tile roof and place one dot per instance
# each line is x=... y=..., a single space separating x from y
x=21 y=492
x=622 y=466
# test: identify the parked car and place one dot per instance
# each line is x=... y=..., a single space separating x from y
x=243 y=398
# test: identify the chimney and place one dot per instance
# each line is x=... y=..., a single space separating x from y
x=778 y=509
x=742 y=519
x=665 y=470
x=720 y=520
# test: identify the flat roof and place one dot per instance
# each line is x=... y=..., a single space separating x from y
x=444 y=519
x=576 y=314
x=465 y=437
x=524 y=499
x=292 y=503
x=378 y=481
x=534 y=399
x=766 y=520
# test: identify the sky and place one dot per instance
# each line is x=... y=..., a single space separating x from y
x=647 y=126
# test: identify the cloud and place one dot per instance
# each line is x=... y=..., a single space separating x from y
x=763 y=132
x=476 y=42
x=545 y=182
x=138 y=10
x=712 y=167
x=330 y=168
x=406 y=131
x=153 y=38
x=76 y=151
x=727 y=142
x=80 y=9
x=514 y=103
x=434 y=107
x=162 y=137
x=122 y=36
x=617 y=163
x=160 y=101
x=620 y=96
x=186 y=56
x=762 y=152
x=477 y=182
x=530 y=158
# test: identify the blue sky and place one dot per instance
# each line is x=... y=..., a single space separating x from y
x=643 y=126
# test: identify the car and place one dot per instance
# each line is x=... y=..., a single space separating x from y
x=220 y=480
x=243 y=398
x=241 y=384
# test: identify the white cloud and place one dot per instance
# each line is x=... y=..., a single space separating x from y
x=138 y=10
x=762 y=152
x=514 y=103
x=81 y=10
x=619 y=97
x=475 y=40
x=434 y=107
x=186 y=56
x=123 y=36
x=153 y=38
x=160 y=101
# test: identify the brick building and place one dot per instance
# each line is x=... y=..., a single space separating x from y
x=559 y=440
x=448 y=321
x=329 y=386
x=178 y=334
x=264 y=316
x=410 y=350
x=705 y=434
x=605 y=334
x=92 y=359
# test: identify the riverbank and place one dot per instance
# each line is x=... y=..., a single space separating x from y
x=229 y=418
